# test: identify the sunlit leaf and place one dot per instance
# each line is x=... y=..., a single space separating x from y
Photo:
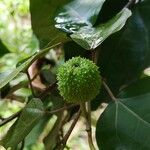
x=23 y=66
x=90 y=38
x=78 y=14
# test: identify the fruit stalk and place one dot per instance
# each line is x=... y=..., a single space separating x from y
x=87 y=116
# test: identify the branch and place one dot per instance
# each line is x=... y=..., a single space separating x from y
x=65 y=138
x=60 y=109
x=34 y=70
x=87 y=116
x=47 y=90
x=16 y=87
x=6 y=120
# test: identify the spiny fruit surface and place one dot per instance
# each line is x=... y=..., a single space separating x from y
x=78 y=80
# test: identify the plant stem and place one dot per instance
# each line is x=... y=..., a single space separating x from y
x=6 y=120
x=64 y=141
x=60 y=109
x=47 y=90
x=109 y=91
x=16 y=87
x=87 y=116
x=90 y=129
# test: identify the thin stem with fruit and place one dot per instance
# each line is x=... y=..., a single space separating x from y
x=87 y=116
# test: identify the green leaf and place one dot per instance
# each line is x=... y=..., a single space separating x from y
x=90 y=38
x=23 y=66
x=14 y=73
x=125 y=124
x=78 y=14
x=139 y=87
x=125 y=54
x=62 y=15
x=33 y=136
x=43 y=20
x=28 y=118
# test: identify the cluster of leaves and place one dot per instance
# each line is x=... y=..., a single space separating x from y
x=117 y=35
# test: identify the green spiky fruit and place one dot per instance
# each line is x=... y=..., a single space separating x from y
x=78 y=80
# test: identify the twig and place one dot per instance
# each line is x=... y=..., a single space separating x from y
x=30 y=82
x=15 y=98
x=60 y=109
x=6 y=120
x=18 y=86
x=87 y=116
x=47 y=90
x=64 y=141
x=109 y=91
x=93 y=55
x=89 y=125
x=130 y=3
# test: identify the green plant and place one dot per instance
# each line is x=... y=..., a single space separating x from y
x=98 y=45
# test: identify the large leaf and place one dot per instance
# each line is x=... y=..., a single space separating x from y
x=139 y=87
x=35 y=133
x=78 y=14
x=125 y=124
x=43 y=20
x=126 y=54
x=66 y=15
x=29 y=117
x=90 y=37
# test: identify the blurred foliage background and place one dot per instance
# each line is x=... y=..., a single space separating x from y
x=18 y=42
x=15 y=32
